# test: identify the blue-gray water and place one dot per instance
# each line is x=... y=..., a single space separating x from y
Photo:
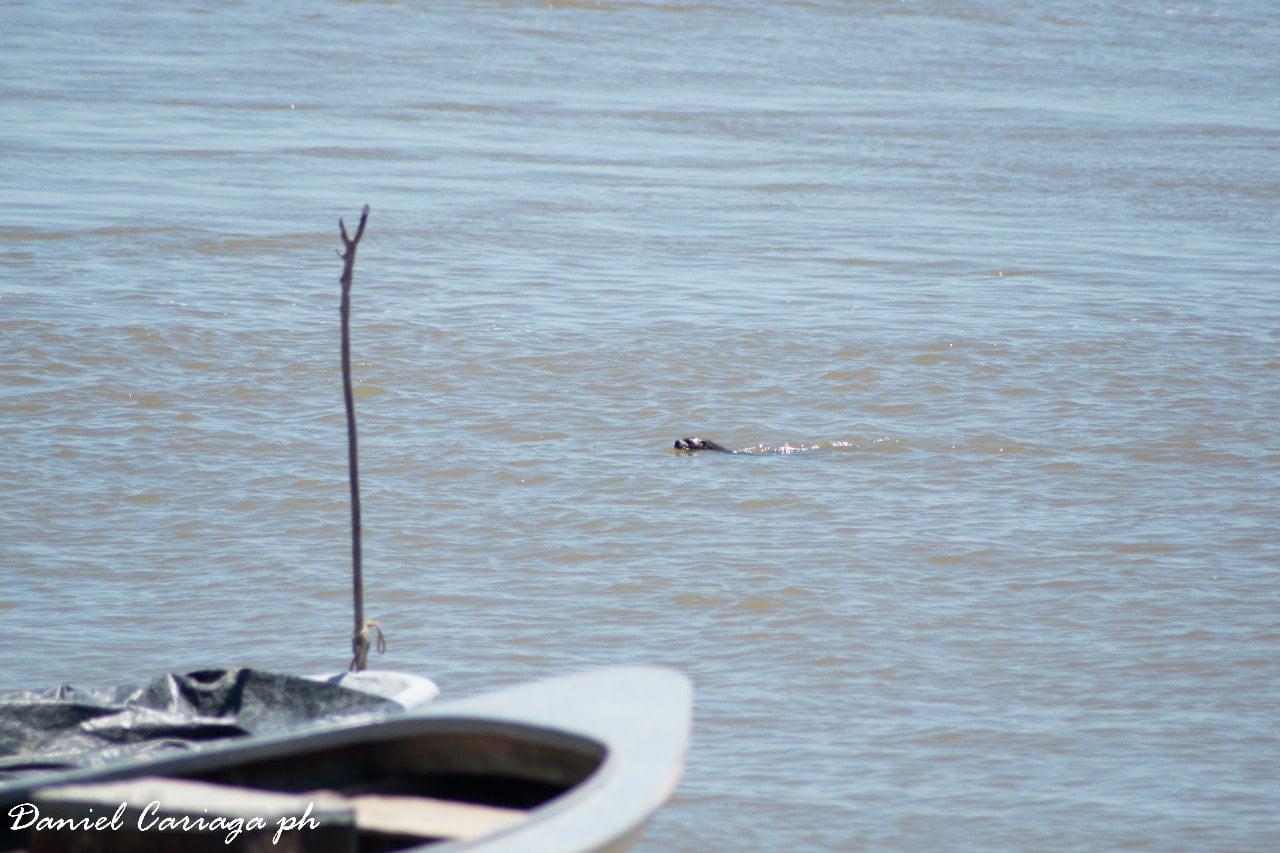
x=1009 y=268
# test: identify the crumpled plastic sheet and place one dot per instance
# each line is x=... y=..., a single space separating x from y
x=64 y=728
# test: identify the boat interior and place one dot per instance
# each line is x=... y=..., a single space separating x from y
x=398 y=791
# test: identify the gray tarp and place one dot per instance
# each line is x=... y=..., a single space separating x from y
x=63 y=728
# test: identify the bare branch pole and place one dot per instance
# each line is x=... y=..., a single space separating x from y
x=360 y=636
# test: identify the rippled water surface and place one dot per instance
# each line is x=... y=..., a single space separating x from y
x=1003 y=273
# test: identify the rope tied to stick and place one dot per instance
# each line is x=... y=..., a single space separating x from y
x=360 y=645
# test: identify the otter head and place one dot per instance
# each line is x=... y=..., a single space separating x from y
x=693 y=443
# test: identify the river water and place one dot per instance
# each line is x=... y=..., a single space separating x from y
x=1003 y=272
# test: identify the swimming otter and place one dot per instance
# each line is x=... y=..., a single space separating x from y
x=693 y=443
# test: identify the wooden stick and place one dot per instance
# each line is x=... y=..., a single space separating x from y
x=360 y=636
